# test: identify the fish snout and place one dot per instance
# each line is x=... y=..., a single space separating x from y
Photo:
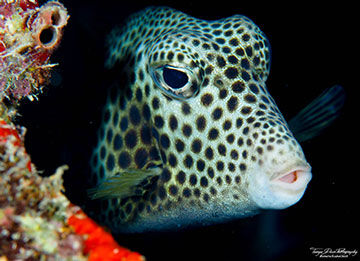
x=282 y=189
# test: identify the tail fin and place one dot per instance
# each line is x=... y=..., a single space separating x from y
x=318 y=115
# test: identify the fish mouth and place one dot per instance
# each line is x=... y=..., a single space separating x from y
x=289 y=186
x=293 y=181
x=282 y=189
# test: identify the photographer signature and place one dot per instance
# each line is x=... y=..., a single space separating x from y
x=333 y=252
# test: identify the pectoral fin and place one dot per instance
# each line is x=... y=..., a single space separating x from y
x=124 y=184
x=318 y=115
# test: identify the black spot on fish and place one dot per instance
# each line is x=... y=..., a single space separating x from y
x=200 y=165
x=110 y=163
x=145 y=134
x=162 y=193
x=172 y=160
x=193 y=179
x=159 y=121
x=188 y=161
x=186 y=109
x=180 y=177
x=165 y=175
x=173 y=123
x=140 y=158
x=124 y=160
x=131 y=139
x=134 y=115
x=164 y=141
x=124 y=123
x=200 y=123
x=187 y=130
x=179 y=145
x=118 y=142
x=209 y=153
x=146 y=112
x=213 y=134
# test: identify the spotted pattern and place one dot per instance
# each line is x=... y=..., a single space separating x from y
x=206 y=136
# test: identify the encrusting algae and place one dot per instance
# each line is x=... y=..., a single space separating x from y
x=36 y=220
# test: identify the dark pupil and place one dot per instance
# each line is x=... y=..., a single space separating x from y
x=174 y=78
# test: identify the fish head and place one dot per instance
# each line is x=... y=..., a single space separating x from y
x=210 y=95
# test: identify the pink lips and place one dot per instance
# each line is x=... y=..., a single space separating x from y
x=295 y=180
x=283 y=189
x=290 y=178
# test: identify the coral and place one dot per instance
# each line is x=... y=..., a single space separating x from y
x=36 y=219
x=37 y=222
x=28 y=36
x=33 y=211
x=99 y=244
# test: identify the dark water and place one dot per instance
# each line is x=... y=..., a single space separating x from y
x=313 y=48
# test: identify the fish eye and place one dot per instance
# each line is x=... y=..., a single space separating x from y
x=174 y=78
x=177 y=82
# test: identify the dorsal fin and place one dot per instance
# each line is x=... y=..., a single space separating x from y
x=318 y=115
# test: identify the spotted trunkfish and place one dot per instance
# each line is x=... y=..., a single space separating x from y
x=190 y=135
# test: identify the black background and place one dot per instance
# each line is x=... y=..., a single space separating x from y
x=314 y=46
